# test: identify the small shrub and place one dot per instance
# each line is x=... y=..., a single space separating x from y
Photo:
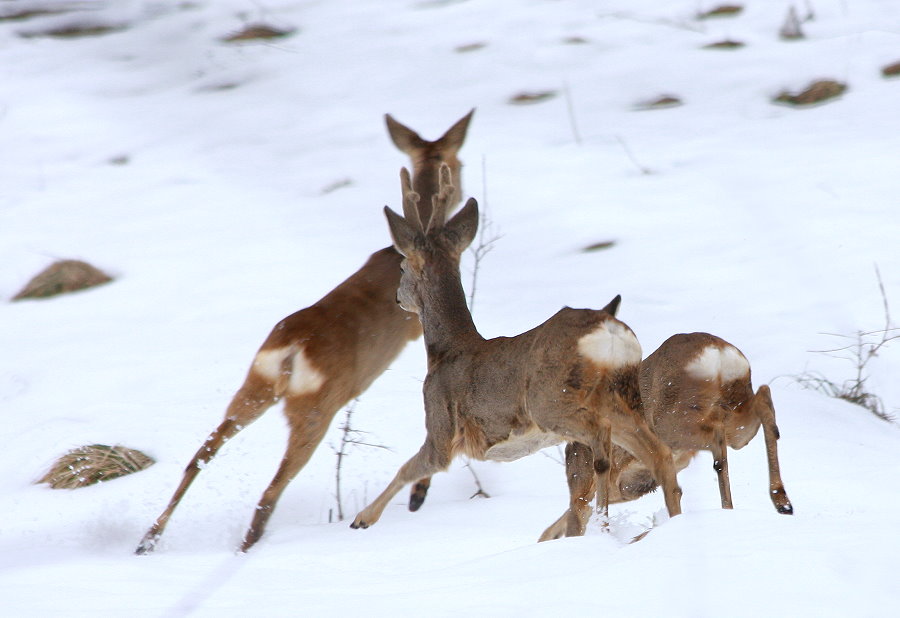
x=791 y=29
x=87 y=465
x=61 y=277
x=863 y=347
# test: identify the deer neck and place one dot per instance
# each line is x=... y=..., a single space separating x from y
x=445 y=316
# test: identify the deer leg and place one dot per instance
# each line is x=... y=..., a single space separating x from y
x=602 y=451
x=418 y=493
x=765 y=410
x=635 y=436
x=308 y=427
x=248 y=404
x=719 y=448
x=580 y=478
x=429 y=460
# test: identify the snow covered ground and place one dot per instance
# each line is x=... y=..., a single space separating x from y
x=226 y=186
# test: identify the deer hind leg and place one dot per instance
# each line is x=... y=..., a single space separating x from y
x=430 y=459
x=582 y=486
x=308 y=426
x=719 y=448
x=765 y=410
x=418 y=492
x=636 y=437
x=253 y=398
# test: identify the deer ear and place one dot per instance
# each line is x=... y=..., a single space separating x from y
x=612 y=308
x=455 y=136
x=403 y=137
x=402 y=233
x=464 y=225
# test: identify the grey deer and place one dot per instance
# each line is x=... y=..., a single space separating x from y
x=574 y=378
x=697 y=395
x=319 y=358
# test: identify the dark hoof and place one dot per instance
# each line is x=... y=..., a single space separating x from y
x=416 y=501
x=786 y=509
x=359 y=525
x=147 y=546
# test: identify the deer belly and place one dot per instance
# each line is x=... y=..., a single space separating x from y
x=519 y=445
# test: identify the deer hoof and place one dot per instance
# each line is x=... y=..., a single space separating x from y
x=148 y=544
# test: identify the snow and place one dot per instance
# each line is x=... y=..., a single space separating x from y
x=202 y=176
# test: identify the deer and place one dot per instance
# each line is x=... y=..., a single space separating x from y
x=573 y=378
x=318 y=359
x=697 y=395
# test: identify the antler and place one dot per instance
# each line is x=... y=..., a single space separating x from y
x=410 y=200
x=441 y=203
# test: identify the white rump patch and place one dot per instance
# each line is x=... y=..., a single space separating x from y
x=611 y=344
x=303 y=377
x=726 y=363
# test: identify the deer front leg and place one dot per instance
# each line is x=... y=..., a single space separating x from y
x=765 y=410
x=425 y=463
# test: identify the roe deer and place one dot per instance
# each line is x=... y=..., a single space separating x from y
x=697 y=396
x=321 y=357
x=573 y=378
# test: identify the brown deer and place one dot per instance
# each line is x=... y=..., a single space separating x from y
x=697 y=395
x=321 y=357
x=573 y=378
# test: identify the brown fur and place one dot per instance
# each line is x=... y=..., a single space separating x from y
x=515 y=392
x=343 y=342
x=691 y=414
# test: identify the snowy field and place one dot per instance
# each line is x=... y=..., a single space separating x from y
x=227 y=185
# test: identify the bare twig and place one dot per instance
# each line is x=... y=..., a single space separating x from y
x=486 y=238
x=864 y=346
x=644 y=170
x=349 y=437
x=571 y=109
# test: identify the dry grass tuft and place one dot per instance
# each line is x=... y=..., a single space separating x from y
x=661 y=102
x=470 y=47
x=817 y=92
x=257 y=32
x=724 y=44
x=87 y=465
x=527 y=98
x=61 y=277
x=724 y=10
x=891 y=70
x=75 y=31
x=599 y=246
x=21 y=14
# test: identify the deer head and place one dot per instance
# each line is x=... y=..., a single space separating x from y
x=411 y=235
